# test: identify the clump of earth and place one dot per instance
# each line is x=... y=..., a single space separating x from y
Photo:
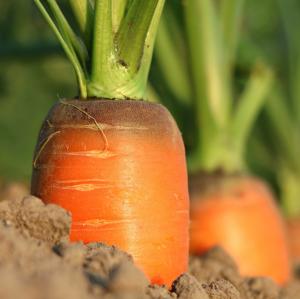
x=37 y=261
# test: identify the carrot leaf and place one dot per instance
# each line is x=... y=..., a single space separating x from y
x=84 y=14
x=171 y=61
x=119 y=8
x=207 y=60
x=103 y=49
x=68 y=33
x=250 y=104
x=132 y=34
x=231 y=13
x=68 y=48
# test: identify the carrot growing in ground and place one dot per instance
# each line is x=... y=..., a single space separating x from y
x=229 y=207
x=116 y=162
x=281 y=123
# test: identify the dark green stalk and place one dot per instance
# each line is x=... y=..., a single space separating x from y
x=130 y=39
x=84 y=14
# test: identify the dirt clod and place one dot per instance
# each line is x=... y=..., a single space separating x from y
x=31 y=217
x=215 y=264
x=260 y=288
x=187 y=287
x=221 y=289
x=159 y=292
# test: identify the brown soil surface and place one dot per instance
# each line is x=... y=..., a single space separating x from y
x=38 y=262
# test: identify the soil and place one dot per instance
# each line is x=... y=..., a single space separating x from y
x=37 y=261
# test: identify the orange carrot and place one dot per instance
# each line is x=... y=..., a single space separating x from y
x=116 y=162
x=239 y=214
x=217 y=117
x=119 y=167
x=293 y=232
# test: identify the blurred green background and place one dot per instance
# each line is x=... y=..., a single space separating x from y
x=34 y=74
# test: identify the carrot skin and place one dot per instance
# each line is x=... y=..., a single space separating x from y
x=123 y=178
x=293 y=232
x=240 y=215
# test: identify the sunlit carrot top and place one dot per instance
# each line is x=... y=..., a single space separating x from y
x=111 y=46
x=196 y=51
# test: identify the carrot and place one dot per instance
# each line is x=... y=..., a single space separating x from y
x=277 y=139
x=239 y=214
x=216 y=118
x=293 y=233
x=117 y=164
x=281 y=124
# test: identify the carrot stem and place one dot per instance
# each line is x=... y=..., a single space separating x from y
x=231 y=13
x=68 y=48
x=84 y=14
x=131 y=37
x=223 y=116
x=283 y=115
x=250 y=103
x=171 y=61
x=68 y=33
x=103 y=50
x=113 y=57
x=290 y=15
x=118 y=8
x=289 y=188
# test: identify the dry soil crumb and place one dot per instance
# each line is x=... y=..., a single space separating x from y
x=102 y=259
x=31 y=268
x=187 y=287
x=260 y=288
x=31 y=217
x=159 y=292
x=107 y=269
x=221 y=289
x=215 y=264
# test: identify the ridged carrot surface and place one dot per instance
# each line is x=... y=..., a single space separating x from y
x=119 y=167
x=240 y=215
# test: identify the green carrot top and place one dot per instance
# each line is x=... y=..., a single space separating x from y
x=112 y=49
x=281 y=124
x=203 y=65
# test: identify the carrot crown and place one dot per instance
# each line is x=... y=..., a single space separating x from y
x=203 y=65
x=112 y=49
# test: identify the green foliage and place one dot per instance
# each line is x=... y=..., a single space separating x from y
x=197 y=54
x=275 y=146
x=33 y=75
x=111 y=50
